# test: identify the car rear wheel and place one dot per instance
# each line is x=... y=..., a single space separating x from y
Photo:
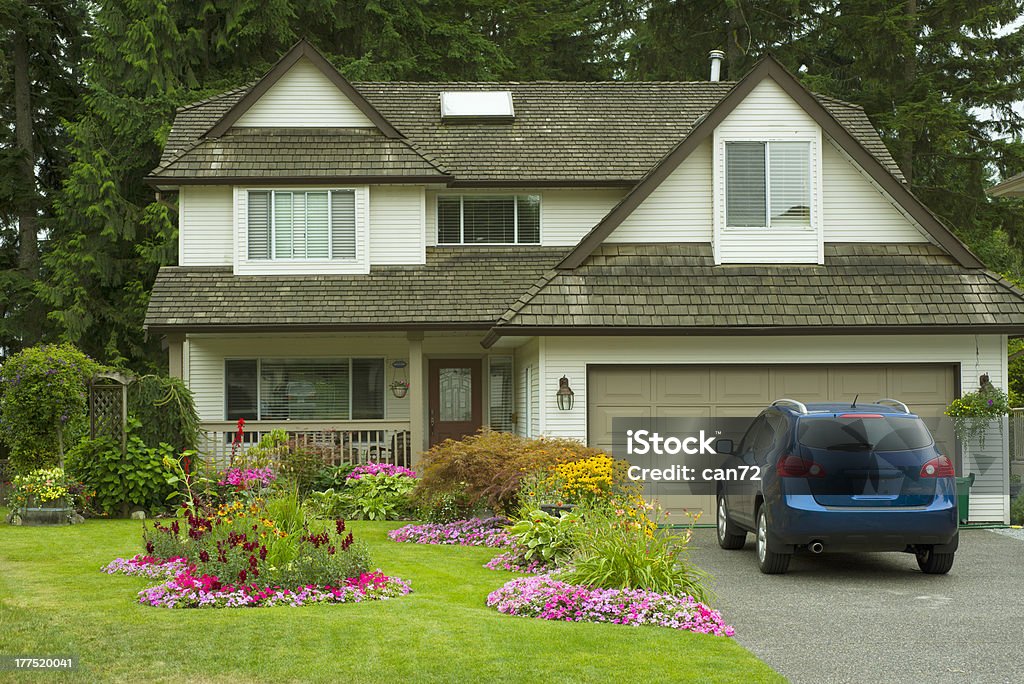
x=729 y=536
x=768 y=561
x=932 y=563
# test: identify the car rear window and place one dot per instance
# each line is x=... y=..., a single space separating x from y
x=888 y=433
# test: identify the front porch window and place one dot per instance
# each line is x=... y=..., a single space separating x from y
x=304 y=389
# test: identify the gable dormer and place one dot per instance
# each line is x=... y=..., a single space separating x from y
x=323 y=104
x=770 y=175
x=303 y=90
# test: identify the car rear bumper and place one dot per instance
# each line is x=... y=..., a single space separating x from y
x=799 y=521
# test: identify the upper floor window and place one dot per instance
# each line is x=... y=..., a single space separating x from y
x=302 y=225
x=488 y=219
x=768 y=184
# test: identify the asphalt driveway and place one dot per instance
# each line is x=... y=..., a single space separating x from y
x=876 y=617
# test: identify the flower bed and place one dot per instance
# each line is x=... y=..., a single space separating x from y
x=472 y=532
x=514 y=561
x=379 y=469
x=549 y=599
x=186 y=590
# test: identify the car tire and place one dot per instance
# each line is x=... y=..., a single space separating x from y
x=729 y=536
x=932 y=563
x=769 y=561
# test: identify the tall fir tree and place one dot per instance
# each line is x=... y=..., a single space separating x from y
x=40 y=86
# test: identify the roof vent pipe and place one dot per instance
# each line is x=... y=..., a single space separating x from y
x=716 y=57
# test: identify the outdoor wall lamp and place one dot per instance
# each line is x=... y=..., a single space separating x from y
x=564 y=394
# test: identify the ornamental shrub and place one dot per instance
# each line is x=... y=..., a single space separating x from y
x=44 y=399
x=618 y=551
x=120 y=482
x=489 y=466
x=546 y=538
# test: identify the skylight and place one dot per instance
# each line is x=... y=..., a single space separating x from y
x=477 y=105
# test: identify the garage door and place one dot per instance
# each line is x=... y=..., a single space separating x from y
x=724 y=391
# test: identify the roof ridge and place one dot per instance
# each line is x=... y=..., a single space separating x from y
x=547 y=82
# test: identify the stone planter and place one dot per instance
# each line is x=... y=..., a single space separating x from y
x=46 y=513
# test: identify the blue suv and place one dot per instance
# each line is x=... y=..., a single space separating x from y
x=840 y=477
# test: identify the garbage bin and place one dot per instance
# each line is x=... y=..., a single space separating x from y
x=963 y=497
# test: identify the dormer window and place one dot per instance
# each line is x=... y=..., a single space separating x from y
x=302 y=225
x=768 y=184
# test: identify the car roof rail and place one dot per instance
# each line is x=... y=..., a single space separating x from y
x=894 y=402
x=800 y=406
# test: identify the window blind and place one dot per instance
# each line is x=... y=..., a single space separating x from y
x=488 y=219
x=304 y=389
x=767 y=184
x=315 y=224
x=259 y=225
x=790 y=174
x=343 y=224
x=745 y=184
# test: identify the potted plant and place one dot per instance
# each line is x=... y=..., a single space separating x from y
x=42 y=497
x=974 y=412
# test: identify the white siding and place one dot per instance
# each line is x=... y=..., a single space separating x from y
x=304 y=97
x=205 y=362
x=679 y=210
x=396 y=225
x=565 y=215
x=975 y=354
x=205 y=222
x=768 y=113
x=243 y=266
x=527 y=360
x=855 y=210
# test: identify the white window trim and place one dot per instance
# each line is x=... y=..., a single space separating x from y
x=718 y=188
x=259 y=382
x=462 y=227
x=243 y=265
x=815 y=184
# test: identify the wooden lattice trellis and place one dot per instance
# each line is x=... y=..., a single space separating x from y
x=108 y=407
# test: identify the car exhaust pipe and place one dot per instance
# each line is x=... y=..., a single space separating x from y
x=816 y=547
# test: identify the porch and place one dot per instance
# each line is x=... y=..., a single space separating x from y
x=383 y=397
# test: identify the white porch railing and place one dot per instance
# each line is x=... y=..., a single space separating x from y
x=347 y=442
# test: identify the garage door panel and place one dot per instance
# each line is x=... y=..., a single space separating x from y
x=682 y=385
x=750 y=385
x=623 y=385
x=919 y=385
x=847 y=382
x=809 y=384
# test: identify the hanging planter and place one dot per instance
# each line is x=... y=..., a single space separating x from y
x=974 y=412
x=400 y=388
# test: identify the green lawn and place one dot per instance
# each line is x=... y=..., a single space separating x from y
x=55 y=601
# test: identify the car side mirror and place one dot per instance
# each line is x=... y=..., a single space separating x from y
x=724 y=446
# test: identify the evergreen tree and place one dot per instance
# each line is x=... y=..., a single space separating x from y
x=40 y=86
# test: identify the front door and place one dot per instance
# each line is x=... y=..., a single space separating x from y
x=456 y=408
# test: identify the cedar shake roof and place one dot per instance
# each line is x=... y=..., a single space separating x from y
x=316 y=153
x=600 y=133
x=677 y=287
x=458 y=287
x=657 y=288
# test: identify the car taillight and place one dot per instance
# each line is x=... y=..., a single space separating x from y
x=794 y=466
x=861 y=415
x=938 y=467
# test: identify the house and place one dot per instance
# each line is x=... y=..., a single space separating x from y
x=378 y=266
